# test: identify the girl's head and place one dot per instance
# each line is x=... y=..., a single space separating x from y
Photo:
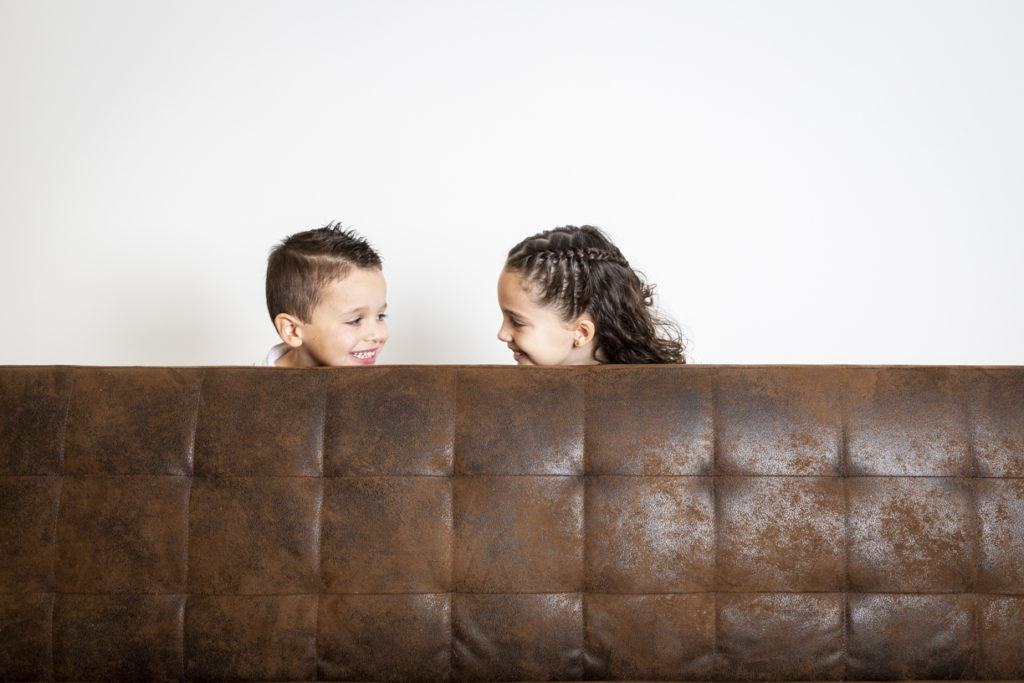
x=569 y=297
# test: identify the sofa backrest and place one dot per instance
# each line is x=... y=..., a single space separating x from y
x=674 y=522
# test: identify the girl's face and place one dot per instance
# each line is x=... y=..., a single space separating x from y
x=536 y=334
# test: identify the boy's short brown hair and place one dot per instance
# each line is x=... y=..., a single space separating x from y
x=304 y=263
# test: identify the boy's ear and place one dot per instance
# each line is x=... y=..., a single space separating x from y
x=289 y=328
x=584 y=331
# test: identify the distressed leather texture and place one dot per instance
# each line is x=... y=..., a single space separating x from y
x=503 y=523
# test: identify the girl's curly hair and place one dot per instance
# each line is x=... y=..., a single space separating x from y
x=578 y=270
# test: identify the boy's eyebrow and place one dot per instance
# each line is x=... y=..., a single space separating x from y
x=360 y=309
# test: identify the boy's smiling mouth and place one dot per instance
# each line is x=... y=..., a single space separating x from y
x=367 y=357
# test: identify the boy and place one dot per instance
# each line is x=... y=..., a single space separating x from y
x=327 y=296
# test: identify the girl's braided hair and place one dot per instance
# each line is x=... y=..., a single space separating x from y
x=578 y=270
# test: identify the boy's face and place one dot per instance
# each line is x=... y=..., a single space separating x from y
x=536 y=335
x=347 y=326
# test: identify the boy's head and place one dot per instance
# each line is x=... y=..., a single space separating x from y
x=326 y=296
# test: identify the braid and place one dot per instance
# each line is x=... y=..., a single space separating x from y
x=581 y=255
x=579 y=270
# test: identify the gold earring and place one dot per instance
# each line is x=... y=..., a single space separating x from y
x=576 y=343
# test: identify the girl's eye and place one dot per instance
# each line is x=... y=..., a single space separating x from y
x=516 y=323
x=355 y=321
x=382 y=316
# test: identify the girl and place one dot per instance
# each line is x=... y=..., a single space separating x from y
x=569 y=297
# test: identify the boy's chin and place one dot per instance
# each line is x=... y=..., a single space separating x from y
x=347 y=360
x=354 y=363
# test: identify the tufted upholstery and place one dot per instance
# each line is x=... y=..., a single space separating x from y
x=696 y=523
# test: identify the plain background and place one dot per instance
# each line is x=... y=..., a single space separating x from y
x=805 y=181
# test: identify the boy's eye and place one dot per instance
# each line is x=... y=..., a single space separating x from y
x=355 y=321
x=381 y=316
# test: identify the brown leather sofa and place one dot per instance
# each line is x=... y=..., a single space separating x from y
x=502 y=523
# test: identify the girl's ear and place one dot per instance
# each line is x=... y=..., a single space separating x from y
x=584 y=331
x=289 y=328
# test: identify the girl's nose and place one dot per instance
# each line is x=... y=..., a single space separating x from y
x=503 y=334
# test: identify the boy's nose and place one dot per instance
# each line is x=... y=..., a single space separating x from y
x=378 y=331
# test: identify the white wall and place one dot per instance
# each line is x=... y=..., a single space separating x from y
x=806 y=182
